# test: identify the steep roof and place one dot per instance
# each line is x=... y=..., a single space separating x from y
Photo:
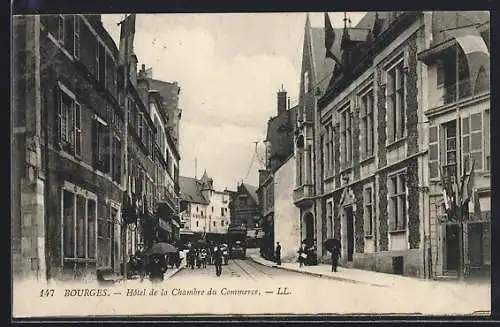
x=253 y=191
x=323 y=67
x=190 y=190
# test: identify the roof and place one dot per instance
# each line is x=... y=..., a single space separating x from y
x=323 y=66
x=253 y=191
x=190 y=190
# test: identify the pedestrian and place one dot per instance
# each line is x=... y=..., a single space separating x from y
x=218 y=261
x=278 y=253
x=302 y=254
x=335 y=257
x=203 y=256
x=156 y=269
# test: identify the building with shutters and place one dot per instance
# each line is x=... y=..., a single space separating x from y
x=69 y=137
x=372 y=149
x=456 y=102
x=383 y=129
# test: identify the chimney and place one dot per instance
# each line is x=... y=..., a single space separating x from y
x=143 y=86
x=281 y=100
x=289 y=102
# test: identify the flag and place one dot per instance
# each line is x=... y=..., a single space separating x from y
x=329 y=39
x=127 y=39
x=467 y=185
x=446 y=190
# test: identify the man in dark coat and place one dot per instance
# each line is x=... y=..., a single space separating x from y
x=156 y=271
x=278 y=253
x=218 y=261
x=335 y=257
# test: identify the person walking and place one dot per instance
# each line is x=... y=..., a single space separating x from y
x=335 y=257
x=302 y=254
x=218 y=261
x=278 y=253
x=156 y=271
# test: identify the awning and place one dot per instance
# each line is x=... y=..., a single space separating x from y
x=472 y=44
x=164 y=225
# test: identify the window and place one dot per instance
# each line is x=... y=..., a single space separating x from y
x=101 y=62
x=440 y=73
x=60 y=28
x=78 y=224
x=212 y=208
x=368 y=211
x=367 y=126
x=328 y=149
x=116 y=159
x=396 y=120
x=101 y=146
x=140 y=121
x=222 y=212
x=306 y=82
x=213 y=223
x=450 y=148
x=69 y=121
x=433 y=152
x=222 y=223
x=397 y=201
x=76 y=37
x=346 y=137
x=105 y=229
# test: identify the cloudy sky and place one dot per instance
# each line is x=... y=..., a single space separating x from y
x=229 y=67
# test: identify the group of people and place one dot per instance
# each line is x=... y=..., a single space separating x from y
x=200 y=257
x=308 y=256
x=153 y=266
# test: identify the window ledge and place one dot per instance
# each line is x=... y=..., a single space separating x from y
x=368 y=237
x=397 y=231
x=367 y=159
x=395 y=143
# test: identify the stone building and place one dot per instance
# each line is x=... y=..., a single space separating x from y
x=166 y=158
x=204 y=210
x=279 y=143
x=383 y=129
x=316 y=71
x=69 y=108
x=373 y=150
x=456 y=101
x=244 y=207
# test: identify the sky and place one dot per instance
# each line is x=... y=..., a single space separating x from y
x=229 y=68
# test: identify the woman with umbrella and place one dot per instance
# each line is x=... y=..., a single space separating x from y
x=333 y=245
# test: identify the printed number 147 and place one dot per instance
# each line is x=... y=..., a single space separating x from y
x=47 y=292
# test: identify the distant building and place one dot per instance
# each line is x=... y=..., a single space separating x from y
x=203 y=209
x=279 y=147
x=244 y=207
x=287 y=226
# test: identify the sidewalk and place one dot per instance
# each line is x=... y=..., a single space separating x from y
x=360 y=276
x=171 y=272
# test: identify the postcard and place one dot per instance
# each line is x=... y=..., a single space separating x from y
x=332 y=163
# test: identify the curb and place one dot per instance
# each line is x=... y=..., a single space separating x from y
x=176 y=272
x=353 y=281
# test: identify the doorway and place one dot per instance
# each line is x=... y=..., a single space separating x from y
x=350 y=232
x=309 y=224
x=452 y=247
x=476 y=245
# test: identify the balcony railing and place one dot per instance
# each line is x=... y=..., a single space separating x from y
x=167 y=195
x=303 y=192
